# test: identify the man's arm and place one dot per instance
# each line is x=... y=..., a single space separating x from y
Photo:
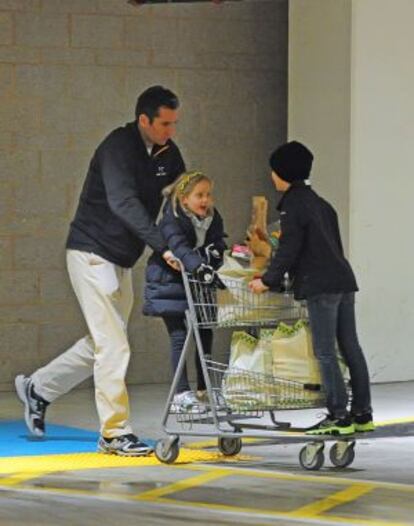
x=120 y=186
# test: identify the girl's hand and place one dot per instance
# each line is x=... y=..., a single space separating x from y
x=171 y=260
x=257 y=286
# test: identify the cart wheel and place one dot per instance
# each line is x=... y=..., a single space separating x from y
x=229 y=446
x=342 y=454
x=167 y=450
x=311 y=456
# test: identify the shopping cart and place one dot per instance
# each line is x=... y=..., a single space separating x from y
x=237 y=398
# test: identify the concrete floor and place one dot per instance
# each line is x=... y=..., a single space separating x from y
x=263 y=485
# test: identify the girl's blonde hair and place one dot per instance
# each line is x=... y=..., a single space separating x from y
x=183 y=186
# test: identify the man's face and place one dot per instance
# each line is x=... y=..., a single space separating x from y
x=161 y=128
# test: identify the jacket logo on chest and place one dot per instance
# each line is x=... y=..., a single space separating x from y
x=161 y=171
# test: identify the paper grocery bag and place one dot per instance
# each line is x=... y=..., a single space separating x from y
x=250 y=359
x=293 y=356
x=241 y=350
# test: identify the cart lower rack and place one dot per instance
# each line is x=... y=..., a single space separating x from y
x=237 y=399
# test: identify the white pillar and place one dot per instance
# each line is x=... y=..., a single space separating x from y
x=382 y=181
x=351 y=98
x=319 y=91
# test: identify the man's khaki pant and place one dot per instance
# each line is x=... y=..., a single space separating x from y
x=105 y=295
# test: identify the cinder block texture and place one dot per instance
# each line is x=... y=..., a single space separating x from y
x=70 y=72
x=6 y=29
x=6 y=253
x=41 y=29
x=103 y=32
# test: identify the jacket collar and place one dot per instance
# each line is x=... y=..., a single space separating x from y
x=294 y=185
x=156 y=149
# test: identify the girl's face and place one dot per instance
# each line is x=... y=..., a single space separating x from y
x=200 y=199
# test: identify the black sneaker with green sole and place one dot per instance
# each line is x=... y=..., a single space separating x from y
x=363 y=423
x=333 y=426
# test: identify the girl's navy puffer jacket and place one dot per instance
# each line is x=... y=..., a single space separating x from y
x=164 y=293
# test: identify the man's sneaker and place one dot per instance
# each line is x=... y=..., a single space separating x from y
x=187 y=402
x=363 y=423
x=124 y=445
x=333 y=426
x=34 y=405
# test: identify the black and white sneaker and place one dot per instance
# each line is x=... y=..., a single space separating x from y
x=124 y=445
x=34 y=405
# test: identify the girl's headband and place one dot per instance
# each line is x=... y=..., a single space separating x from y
x=186 y=180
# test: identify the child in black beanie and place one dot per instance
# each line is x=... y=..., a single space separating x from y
x=311 y=251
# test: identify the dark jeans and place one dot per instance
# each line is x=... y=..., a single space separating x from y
x=177 y=332
x=332 y=318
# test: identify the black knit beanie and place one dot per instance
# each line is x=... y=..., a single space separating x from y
x=292 y=161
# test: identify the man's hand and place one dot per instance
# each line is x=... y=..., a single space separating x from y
x=257 y=286
x=171 y=260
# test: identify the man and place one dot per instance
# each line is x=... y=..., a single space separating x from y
x=114 y=221
x=311 y=251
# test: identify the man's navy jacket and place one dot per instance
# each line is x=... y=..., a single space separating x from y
x=121 y=197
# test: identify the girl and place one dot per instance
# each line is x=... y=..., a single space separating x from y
x=193 y=231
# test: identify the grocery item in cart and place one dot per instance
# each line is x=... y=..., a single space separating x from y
x=257 y=236
x=292 y=353
x=236 y=303
x=276 y=370
x=247 y=354
x=241 y=252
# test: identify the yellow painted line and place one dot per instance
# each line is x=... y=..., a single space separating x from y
x=259 y=514
x=158 y=496
x=319 y=479
x=151 y=497
x=396 y=421
x=288 y=516
x=337 y=499
x=19 y=478
x=182 y=485
x=223 y=507
x=52 y=463
x=81 y=461
x=311 y=511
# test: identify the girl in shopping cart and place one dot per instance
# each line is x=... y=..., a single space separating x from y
x=193 y=230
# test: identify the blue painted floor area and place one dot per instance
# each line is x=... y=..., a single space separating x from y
x=15 y=440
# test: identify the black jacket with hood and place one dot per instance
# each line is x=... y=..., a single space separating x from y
x=310 y=246
x=121 y=197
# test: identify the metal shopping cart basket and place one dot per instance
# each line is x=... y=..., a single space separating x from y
x=238 y=398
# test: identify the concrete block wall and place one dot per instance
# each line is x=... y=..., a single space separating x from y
x=70 y=72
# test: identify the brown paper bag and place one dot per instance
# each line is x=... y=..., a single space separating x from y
x=257 y=238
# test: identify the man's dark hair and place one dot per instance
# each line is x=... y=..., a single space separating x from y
x=150 y=101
